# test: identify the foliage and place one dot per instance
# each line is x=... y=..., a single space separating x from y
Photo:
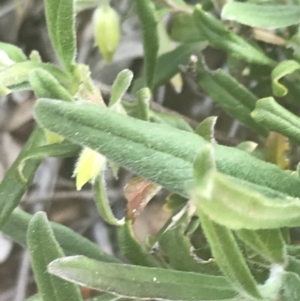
x=244 y=205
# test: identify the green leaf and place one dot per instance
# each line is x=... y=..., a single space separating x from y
x=62 y=150
x=120 y=86
x=206 y=128
x=228 y=257
x=13 y=52
x=172 y=120
x=168 y=63
x=270 y=16
x=268 y=243
x=103 y=297
x=102 y=201
x=147 y=148
x=143 y=99
x=276 y=118
x=238 y=207
x=148 y=20
x=11 y=189
x=282 y=69
x=46 y=85
x=222 y=242
x=43 y=249
x=132 y=249
x=71 y=242
x=291 y=287
x=141 y=282
x=221 y=38
x=229 y=94
x=247 y=146
x=16 y=77
x=179 y=251
x=61 y=28
x=293 y=263
x=184 y=29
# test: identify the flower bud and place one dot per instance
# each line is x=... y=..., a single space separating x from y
x=106 y=31
x=88 y=167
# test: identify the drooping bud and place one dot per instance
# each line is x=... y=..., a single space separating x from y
x=106 y=31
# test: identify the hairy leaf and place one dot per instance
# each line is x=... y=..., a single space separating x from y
x=61 y=28
x=141 y=282
x=282 y=69
x=11 y=188
x=43 y=249
x=221 y=38
x=148 y=20
x=229 y=94
x=269 y=16
x=159 y=153
x=276 y=118
x=13 y=52
x=71 y=242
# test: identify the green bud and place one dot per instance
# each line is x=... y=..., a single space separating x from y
x=106 y=31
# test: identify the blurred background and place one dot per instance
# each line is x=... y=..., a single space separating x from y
x=22 y=22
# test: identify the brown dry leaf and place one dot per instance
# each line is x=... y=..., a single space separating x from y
x=267 y=36
x=138 y=193
x=277 y=147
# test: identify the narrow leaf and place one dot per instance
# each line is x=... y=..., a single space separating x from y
x=291 y=287
x=141 y=282
x=148 y=20
x=46 y=85
x=247 y=146
x=61 y=28
x=276 y=118
x=16 y=77
x=206 y=128
x=184 y=29
x=142 y=146
x=71 y=242
x=228 y=257
x=222 y=242
x=62 y=150
x=268 y=243
x=102 y=201
x=221 y=38
x=43 y=249
x=269 y=16
x=229 y=94
x=13 y=52
x=131 y=249
x=282 y=69
x=172 y=120
x=11 y=189
x=238 y=207
x=168 y=64
x=179 y=251
x=144 y=97
x=120 y=86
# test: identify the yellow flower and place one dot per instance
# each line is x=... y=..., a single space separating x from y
x=88 y=166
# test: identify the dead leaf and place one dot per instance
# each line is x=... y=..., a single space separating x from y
x=277 y=147
x=138 y=193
